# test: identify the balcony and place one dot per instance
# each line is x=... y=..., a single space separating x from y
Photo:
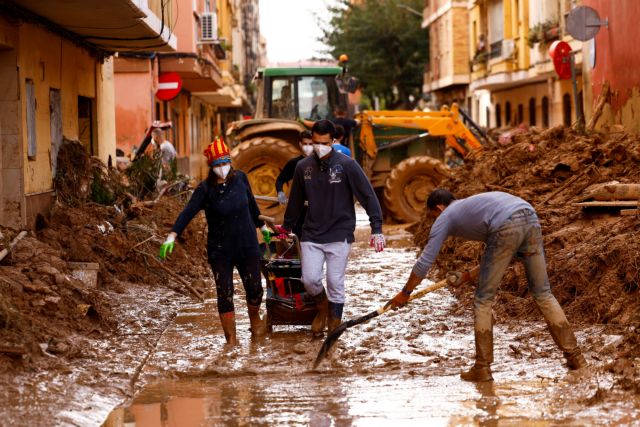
x=116 y=25
x=198 y=73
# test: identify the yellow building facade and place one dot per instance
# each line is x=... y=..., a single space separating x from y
x=56 y=84
x=447 y=74
x=513 y=81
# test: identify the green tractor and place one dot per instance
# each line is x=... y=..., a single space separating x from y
x=262 y=146
x=402 y=152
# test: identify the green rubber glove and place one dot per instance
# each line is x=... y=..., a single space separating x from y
x=266 y=235
x=167 y=247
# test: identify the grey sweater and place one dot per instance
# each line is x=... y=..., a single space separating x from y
x=473 y=218
x=330 y=186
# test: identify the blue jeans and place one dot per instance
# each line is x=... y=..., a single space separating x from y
x=520 y=235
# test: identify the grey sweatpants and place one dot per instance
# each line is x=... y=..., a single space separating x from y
x=314 y=256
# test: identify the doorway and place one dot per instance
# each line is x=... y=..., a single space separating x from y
x=11 y=149
x=55 y=118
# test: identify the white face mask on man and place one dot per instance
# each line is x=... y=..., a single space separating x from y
x=222 y=171
x=307 y=150
x=322 y=150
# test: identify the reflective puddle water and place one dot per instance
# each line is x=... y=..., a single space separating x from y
x=400 y=369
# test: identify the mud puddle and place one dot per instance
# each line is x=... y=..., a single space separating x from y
x=402 y=367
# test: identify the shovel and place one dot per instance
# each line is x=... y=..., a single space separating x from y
x=332 y=338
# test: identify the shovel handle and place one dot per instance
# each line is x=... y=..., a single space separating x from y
x=473 y=274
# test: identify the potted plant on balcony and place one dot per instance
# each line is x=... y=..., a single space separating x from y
x=543 y=33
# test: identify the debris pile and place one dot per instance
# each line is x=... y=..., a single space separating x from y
x=593 y=253
x=588 y=251
x=96 y=219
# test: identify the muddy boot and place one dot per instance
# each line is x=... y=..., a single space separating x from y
x=481 y=370
x=228 y=321
x=322 y=304
x=565 y=339
x=335 y=315
x=258 y=328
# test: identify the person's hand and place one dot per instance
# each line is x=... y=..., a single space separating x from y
x=283 y=233
x=266 y=234
x=377 y=242
x=282 y=198
x=167 y=247
x=457 y=278
x=400 y=300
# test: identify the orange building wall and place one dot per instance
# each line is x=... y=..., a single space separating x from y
x=134 y=108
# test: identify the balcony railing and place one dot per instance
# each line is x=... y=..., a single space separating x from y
x=495 y=50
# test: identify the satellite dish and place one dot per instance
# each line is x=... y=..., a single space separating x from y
x=583 y=23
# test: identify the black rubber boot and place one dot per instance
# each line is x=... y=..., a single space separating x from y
x=335 y=315
x=481 y=370
x=319 y=322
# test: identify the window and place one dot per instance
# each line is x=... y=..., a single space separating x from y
x=545 y=112
x=317 y=97
x=532 y=112
x=496 y=27
x=32 y=146
x=498 y=116
x=507 y=114
x=566 y=109
x=283 y=104
x=86 y=133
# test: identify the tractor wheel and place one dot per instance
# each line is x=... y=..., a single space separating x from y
x=409 y=184
x=262 y=159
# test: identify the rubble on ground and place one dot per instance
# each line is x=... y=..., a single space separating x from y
x=44 y=306
x=593 y=255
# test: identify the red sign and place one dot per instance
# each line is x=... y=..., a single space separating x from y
x=560 y=53
x=169 y=85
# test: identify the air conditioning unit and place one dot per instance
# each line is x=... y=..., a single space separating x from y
x=508 y=48
x=208 y=27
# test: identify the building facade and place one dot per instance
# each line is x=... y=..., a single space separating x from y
x=611 y=58
x=58 y=83
x=513 y=81
x=214 y=58
x=446 y=76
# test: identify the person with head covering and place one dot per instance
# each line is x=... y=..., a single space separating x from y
x=232 y=218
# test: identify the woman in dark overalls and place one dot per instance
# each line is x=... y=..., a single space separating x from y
x=232 y=219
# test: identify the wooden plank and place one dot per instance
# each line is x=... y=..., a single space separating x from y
x=613 y=204
x=630 y=212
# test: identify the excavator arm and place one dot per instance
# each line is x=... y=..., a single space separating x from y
x=446 y=123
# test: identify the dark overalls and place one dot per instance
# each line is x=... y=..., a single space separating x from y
x=232 y=219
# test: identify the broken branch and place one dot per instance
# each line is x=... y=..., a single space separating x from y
x=13 y=243
x=174 y=275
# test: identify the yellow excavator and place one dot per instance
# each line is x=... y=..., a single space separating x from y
x=405 y=153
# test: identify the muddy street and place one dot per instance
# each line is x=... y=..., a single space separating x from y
x=402 y=367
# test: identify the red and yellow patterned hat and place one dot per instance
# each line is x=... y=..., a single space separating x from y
x=217 y=152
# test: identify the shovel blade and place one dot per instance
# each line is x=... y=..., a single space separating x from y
x=329 y=342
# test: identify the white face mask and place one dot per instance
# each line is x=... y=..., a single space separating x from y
x=307 y=150
x=322 y=150
x=222 y=171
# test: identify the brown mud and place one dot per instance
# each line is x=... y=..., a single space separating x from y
x=593 y=255
x=60 y=334
x=401 y=367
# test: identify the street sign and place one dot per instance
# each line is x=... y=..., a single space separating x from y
x=169 y=85
x=560 y=53
x=583 y=23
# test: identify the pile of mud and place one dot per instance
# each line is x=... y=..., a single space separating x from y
x=593 y=255
x=44 y=308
